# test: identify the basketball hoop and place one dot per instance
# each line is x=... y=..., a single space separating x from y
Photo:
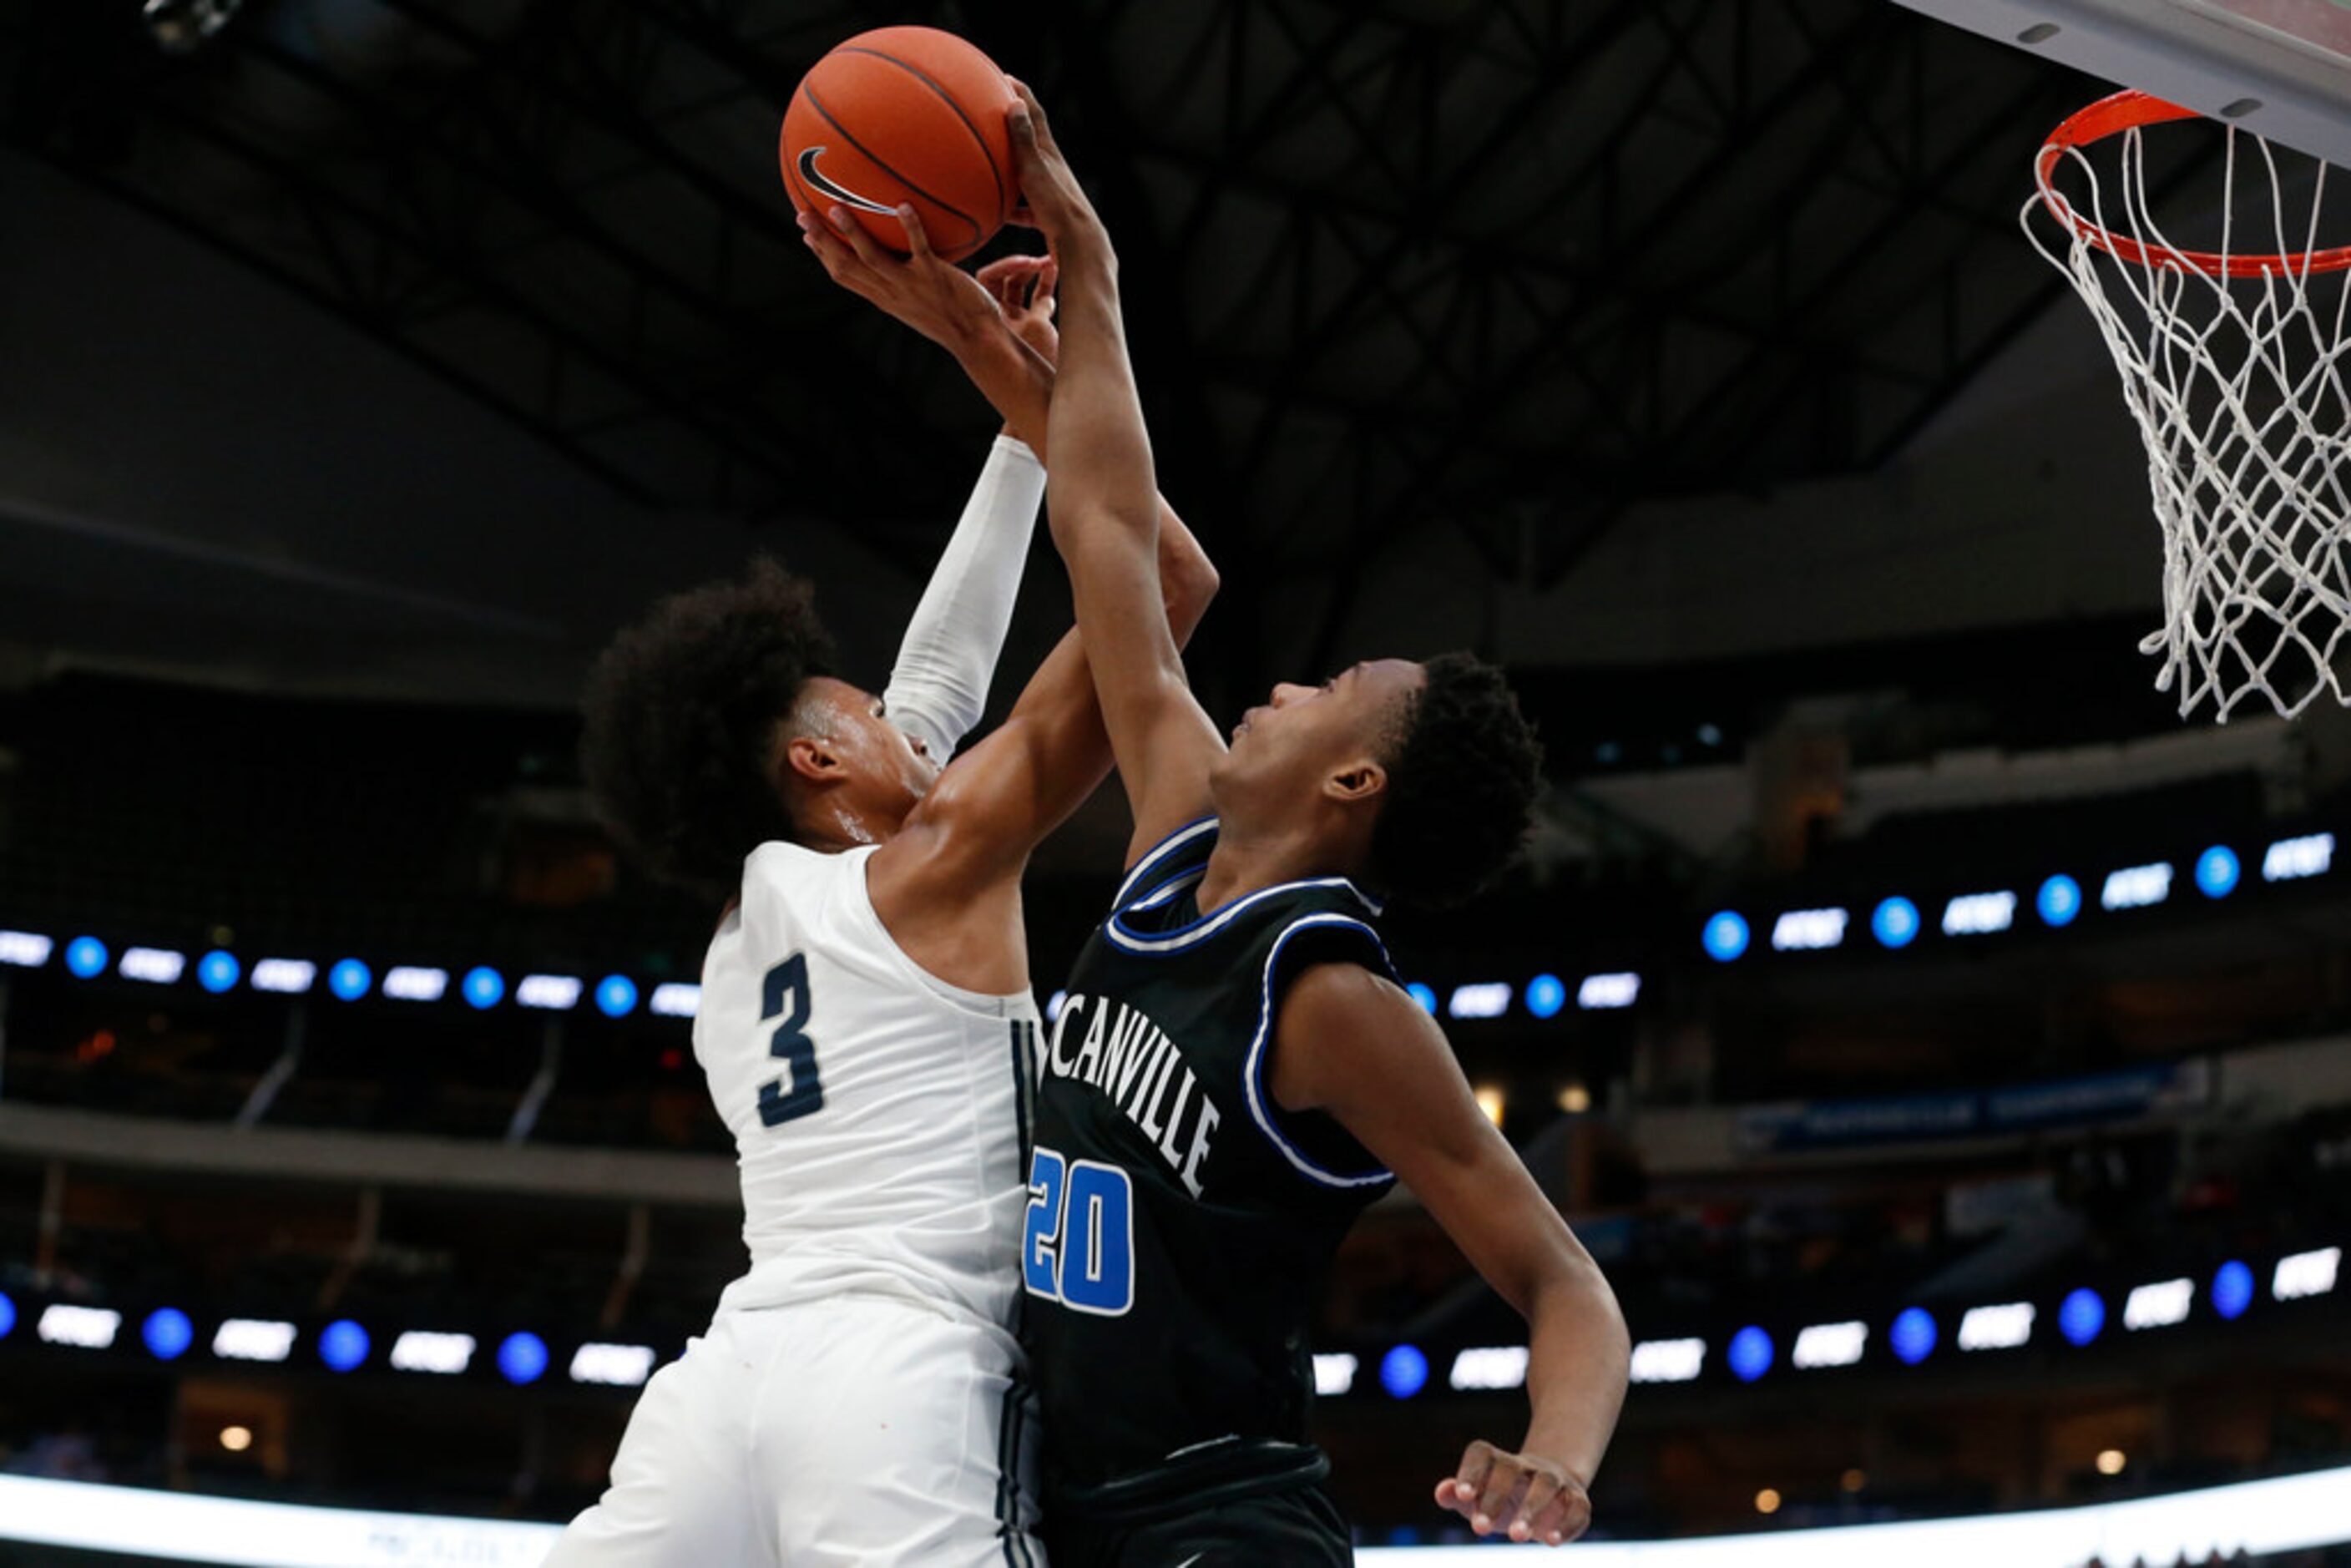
x=2233 y=363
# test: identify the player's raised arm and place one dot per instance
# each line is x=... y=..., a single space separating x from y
x=1102 y=500
x=1353 y=1045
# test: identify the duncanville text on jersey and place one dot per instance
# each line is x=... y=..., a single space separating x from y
x=1131 y=1059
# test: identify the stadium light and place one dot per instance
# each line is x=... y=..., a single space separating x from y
x=1913 y=1335
x=2082 y=1316
x=412 y=983
x=1489 y=1368
x=81 y=1328
x=1334 y=1374
x=1546 y=995
x=1895 y=922
x=86 y=958
x=168 y=1334
x=2160 y=1305
x=1979 y=913
x=1669 y=1360
x=2008 y=1326
x=253 y=1339
x=443 y=1354
x=349 y=981
x=25 y=949
x=2136 y=886
x=343 y=1345
x=2232 y=1289
x=522 y=1358
x=1809 y=930
x=616 y=995
x=7 y=1314
x=482 y=987
x=1483 y=999
x=217 y=971
x=1725 y=936
x=2059 y=900
x=1829 y=1344
x=549 y=993
x=2297 y=1277
x=1403 y=1371
x=1751 y=1353
x=1602 y=992
x=612 y=1366
x=1424 y=995
x=2217 y=871
x=2290 y=859
x=152 y=965
x=286 y=977
x=2267 y=1518
x=677 y=999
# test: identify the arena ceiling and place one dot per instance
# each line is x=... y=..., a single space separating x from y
x=1508 y=267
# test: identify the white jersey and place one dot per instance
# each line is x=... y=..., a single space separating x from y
x=878 y=1112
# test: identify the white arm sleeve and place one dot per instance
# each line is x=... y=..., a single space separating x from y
x=940 y=688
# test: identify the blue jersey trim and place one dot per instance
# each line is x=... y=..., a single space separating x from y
x=1166 y=892
x=1183 y=937
x=1157 y=855
x=1253 y=1088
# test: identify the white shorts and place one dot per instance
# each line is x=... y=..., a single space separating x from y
x=859 y=1429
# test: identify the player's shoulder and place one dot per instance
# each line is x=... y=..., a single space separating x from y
x=779 y=872
x=1340 y=995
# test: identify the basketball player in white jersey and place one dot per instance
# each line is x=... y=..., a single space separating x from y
x=866 y=1025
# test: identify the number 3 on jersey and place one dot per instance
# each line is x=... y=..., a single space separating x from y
x=785 y=994
x=1078 y=1245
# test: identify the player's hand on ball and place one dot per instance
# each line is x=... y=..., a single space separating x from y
x=1051 y=200
x=1022 y=287
x=935 y=298
x=1522 y=1496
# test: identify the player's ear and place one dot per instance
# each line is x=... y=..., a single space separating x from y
x=812 y=758
x=1359 y=780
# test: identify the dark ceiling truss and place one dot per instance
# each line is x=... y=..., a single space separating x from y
x=1498 y=268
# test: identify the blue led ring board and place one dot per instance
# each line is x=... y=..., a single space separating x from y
x=2281 y=69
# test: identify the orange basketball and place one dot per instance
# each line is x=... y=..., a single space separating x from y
x=904 y=114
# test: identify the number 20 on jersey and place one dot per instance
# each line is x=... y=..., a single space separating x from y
x=1077 y=1247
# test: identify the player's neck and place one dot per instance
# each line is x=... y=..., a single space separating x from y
x=831 y=826
x=1244 y=862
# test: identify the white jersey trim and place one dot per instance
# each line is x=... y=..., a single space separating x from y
x=1156 y=856
x=1253 y=1066
x=1207 y=925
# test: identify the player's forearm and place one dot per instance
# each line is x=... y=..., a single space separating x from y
x=938 y=687
x=1014 y=379
x=1578 y=1358
x=1188 y=577
x=1103 y=484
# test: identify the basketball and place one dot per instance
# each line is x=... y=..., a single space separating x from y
x=904 y=114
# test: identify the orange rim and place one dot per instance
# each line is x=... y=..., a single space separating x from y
x=2131 y=111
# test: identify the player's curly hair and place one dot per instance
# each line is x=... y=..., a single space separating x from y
x=1464 y=772
x=679 y=716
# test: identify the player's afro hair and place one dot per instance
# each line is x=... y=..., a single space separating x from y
x=680 y=712
x=1464 y=772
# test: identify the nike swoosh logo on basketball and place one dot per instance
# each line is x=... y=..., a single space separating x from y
x=846 y=197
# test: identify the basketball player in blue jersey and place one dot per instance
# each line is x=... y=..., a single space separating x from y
x=866 y=1022
x=1236 y=1073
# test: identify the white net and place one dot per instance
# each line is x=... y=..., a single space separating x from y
x=2232 y=362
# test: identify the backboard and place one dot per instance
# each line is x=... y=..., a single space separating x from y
x=2281 y=69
